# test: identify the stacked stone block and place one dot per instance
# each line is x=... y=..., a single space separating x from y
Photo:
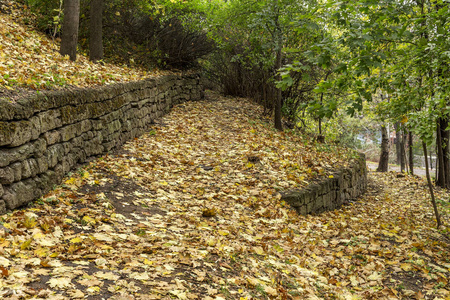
x=345 y=185
x=45 y=136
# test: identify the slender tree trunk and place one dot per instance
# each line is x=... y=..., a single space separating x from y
x=320 y=126
x=445 y=151
x=442 y=157
x=398 y=150
x=278 y=62
x=402 y=150
x=430 y=187
x=404 y=157
x=69 y=38
x=278 y=124
x=411 y=154
x=96 y=30
x=384 y=156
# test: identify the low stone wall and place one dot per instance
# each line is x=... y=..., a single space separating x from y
x=346 y=184
x=45 y=136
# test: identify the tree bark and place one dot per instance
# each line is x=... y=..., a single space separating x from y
x=279 y=45
x=430 y=187
x=69 y=38
x=404 y=165
x=398 y=149
x=278 y=124
x=384 y=156
x=96 y=31
x=445 y=151
x=442 y=137
x=411 y=154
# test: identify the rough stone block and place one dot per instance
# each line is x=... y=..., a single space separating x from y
x=20 y=193
x=2 y=206
x=49 y=120
x=42 y=164
x=6 y=175
x=10 y=110
x=26 y=169
x=54 y=154
x=39 y=147
x=30 y=168
x=69 y=132
x=35 y=127
x=52 y=137
x=46 y=181
x=112 y=127
x=109 y=145
x=17 y=169
x=16 y=133
x=68 y=162
x=8 y=156
x=59 y=172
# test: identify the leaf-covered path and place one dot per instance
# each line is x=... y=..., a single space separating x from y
x=191 y=211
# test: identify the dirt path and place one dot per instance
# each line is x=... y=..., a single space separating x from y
x=184 y=213
x=396 y=168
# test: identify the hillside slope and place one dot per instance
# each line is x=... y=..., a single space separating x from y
x=30 y=59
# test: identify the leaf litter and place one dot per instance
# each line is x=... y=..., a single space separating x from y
x=30 y=60
x=191 y=210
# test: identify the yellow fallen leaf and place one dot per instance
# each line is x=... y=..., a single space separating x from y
x=148 y=262
x=75 y=294
x=93 y=289
x=76 y=240
x=375 y=276
x=271 y=291
x=88 y=220
x=107 y=275
x=211 y=242
x=252 y=281
x=41 y=252
x=406 y=267
x=259 y=250
x=61 y=282
x=223 y=232
x=278 y=248
x=26 y=245
x=354 y=281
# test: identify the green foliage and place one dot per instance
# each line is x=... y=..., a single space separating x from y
x=48 y=15
x=138 y=32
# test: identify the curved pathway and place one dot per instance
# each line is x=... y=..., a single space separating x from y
x=191 y=211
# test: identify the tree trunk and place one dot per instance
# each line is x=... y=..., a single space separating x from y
x=384 y=156
x=430 y=187
x=279 y=46
x=404 y=157
x=442 y=136
x=277 y=105
x=95 y=31
x=69 y=36
x=401 y=149
x=398 y=149
x=445 y=151
x=411 y=154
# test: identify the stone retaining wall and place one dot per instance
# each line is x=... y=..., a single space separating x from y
x=45 y=136
x=346 y=184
